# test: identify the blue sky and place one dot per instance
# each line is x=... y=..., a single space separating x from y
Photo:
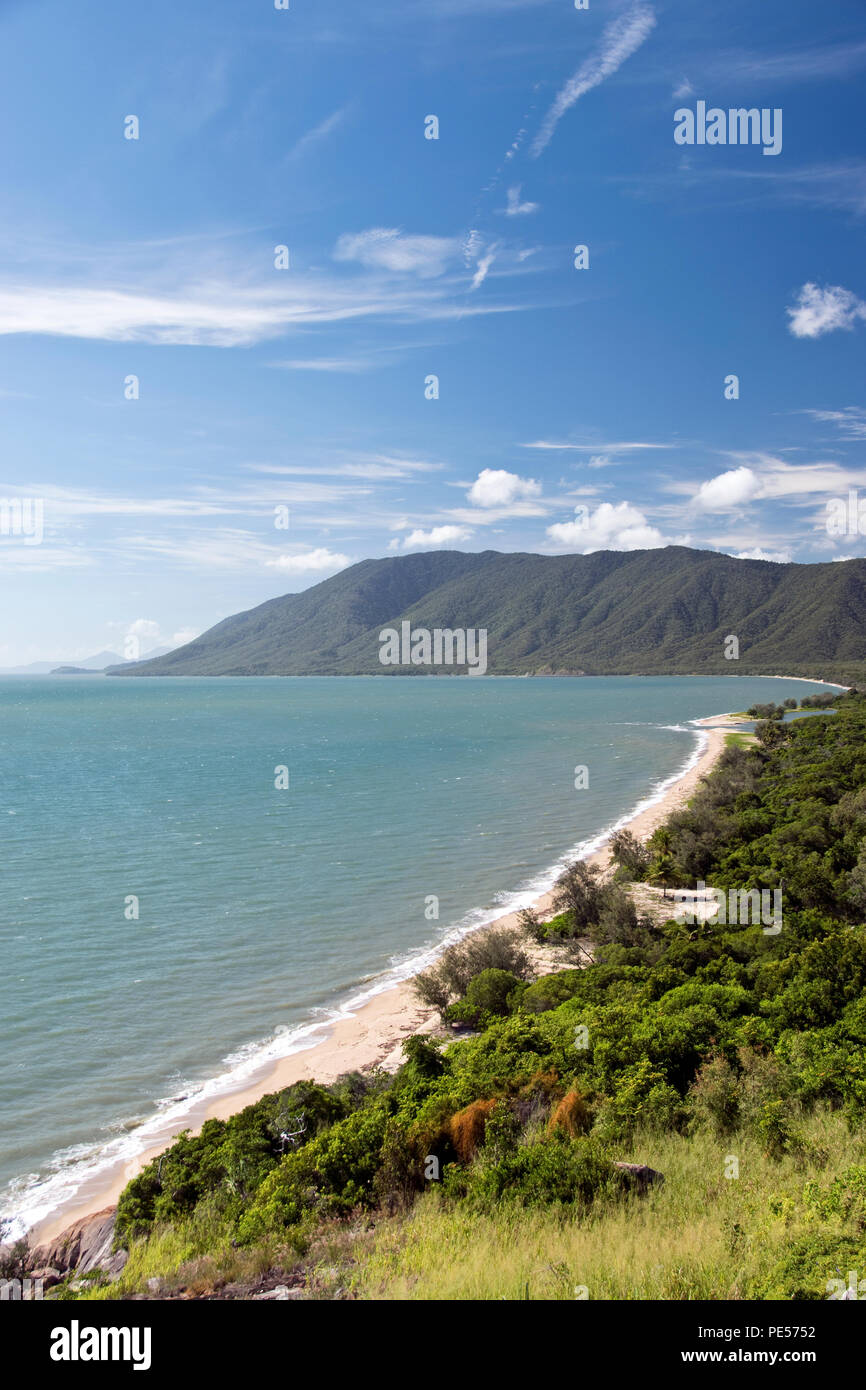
x=577 y=409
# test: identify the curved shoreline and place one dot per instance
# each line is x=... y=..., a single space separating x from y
x=372 y=1034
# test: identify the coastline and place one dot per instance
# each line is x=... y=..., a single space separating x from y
x=373 y=1034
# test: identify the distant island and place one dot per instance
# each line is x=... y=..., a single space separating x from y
x=75 y=671
x=670 y=611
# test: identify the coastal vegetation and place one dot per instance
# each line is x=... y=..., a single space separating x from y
x=728 y=1058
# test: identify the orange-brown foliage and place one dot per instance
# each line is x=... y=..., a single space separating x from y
x=467 y=1128
x=546 y=1083
x=571 y=1115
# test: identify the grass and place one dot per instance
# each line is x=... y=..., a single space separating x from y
x=196 y=1256
x=700 y=1236
x=738 y=740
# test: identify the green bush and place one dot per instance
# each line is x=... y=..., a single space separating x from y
x=492 y=994
x=570 y=1172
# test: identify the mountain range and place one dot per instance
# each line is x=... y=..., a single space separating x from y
x=91 y=665
x=647 y=612
x=45 y=668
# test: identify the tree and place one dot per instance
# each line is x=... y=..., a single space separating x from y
x=629 y=853
x=663 y=871
x=531 y=924
x=769 y=733
x=662 y=838
x=579 y=893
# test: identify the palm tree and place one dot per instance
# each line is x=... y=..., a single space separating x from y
x=663 y=870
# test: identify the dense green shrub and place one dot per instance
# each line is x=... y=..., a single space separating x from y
x=492 y=994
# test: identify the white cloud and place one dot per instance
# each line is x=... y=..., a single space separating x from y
x=228 y=549
x=514 y=207
x=483 y=266
x=683 y=89
x=318 y=134
x=144 y=628
x=609 y=527
x=797 y=65
x=851 y=421
x=728 y=490
x=472 y=244
x=819 y=311
x=619 y=41
x=594 y=448
x=150 y=636
x=495 y=487
x=325 y=364
x=43 y=558
x=372 y=467
x=778 y=478
x=388 y=248
x=778 y=557
x=386 y=275
x=438 y=535
x=309 y=562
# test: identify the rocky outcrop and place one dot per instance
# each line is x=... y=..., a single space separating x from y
x=639 y=1177
x=83 y=1247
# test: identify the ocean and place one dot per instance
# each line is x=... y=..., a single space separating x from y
x=199 y=874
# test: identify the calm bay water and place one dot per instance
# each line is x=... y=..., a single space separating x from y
x=261 y=910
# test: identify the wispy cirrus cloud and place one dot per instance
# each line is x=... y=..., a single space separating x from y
x=314 y=137
x=374 y=467
x=517 y=207
x=389 y=248
x=620 y=39
x=379 y=274
x=219 y=314
x=232 y=549
x=814 y=64
x=599 y=449
x=851 y=421
x=343 y=365
x=761 y=477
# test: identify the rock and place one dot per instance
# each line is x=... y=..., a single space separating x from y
x=155 y=1285
x=115 y=1264
x=282 y=1293
x=13 y=1259
x=83 y=1247
x=640 y=1177
x=47 y=1273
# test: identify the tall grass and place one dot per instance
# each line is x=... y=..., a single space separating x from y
x=700 y=1236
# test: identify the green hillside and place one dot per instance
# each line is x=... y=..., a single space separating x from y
x=649 y=612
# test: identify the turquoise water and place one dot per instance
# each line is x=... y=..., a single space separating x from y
x=261 y=909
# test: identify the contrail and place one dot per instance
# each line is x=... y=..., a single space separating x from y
x=619 y=41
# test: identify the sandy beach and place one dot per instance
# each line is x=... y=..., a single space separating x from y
x=373 y=1035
